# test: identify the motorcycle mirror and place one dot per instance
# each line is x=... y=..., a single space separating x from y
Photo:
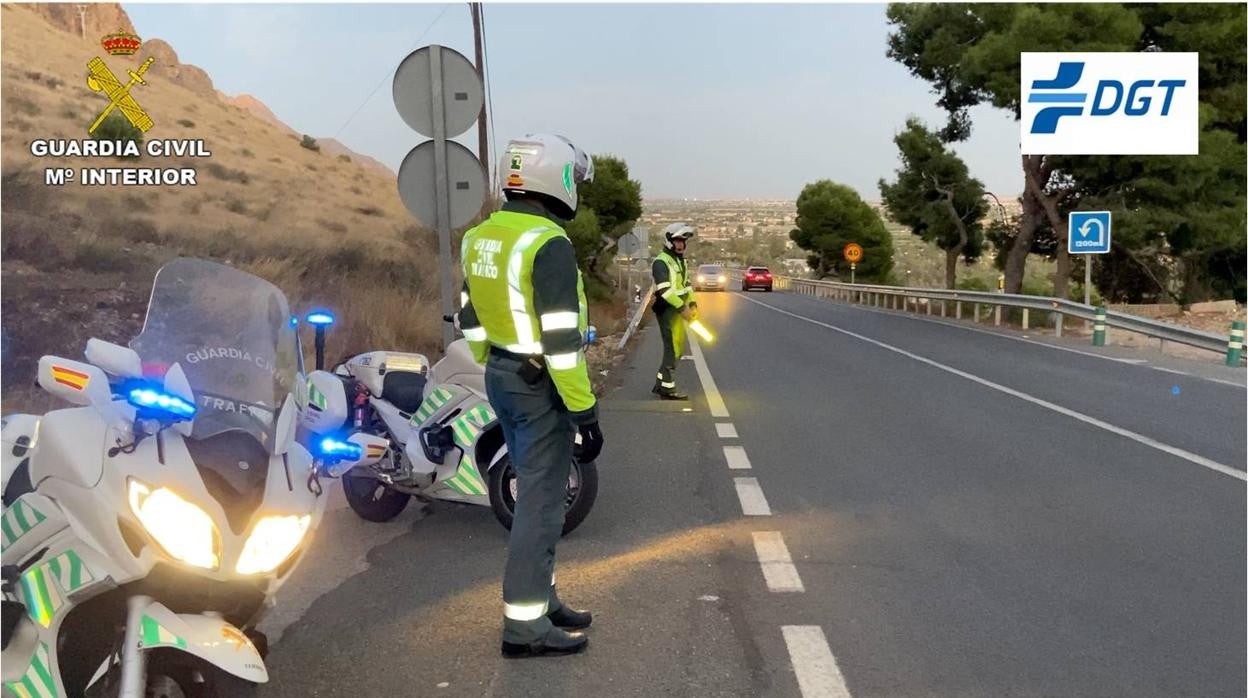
x=120 y=361
x=77 y=382
x=591 y=335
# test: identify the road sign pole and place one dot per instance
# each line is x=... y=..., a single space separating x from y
x=852 y=270
x=442 y=191
x=1087 y=279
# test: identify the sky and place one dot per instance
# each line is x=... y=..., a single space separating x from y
x=702 y=101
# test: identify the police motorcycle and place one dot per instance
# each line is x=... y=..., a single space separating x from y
x=146 y=530
x=429 y=432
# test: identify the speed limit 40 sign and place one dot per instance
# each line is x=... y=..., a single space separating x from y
x=853 y=253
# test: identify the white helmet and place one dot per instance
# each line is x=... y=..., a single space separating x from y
x=676 y=231
x=549 y=166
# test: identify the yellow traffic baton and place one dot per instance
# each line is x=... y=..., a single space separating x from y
x=699 y=329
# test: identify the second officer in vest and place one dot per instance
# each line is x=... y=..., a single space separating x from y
x=524 y=314
x=674 y=305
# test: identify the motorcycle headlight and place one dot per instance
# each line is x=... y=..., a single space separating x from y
x=184 y=530
x=272 y=541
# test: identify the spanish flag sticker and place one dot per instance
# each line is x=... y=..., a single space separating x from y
x=376 y=450
x=66 y=376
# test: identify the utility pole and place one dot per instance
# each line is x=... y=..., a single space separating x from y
x=483 y=149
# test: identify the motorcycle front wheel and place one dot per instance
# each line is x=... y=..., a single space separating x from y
x=172 y=674
x=372 y=500
x=582 y=491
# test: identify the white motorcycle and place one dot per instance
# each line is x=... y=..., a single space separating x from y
x=428 y=432
x=146 y=531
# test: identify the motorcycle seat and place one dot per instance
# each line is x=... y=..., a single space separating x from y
x=405 y=390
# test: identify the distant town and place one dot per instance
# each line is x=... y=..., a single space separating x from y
x=755 y=231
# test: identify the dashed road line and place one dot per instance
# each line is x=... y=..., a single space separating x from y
x=773 y=558
x=818 y=676
x=1113 y=429
x=753 y=503
x=736 y=457
x=726 y=430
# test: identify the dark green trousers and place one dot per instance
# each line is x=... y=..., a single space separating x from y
x=539 y=438
x=672 y=331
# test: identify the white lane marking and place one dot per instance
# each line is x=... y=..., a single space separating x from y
x=818 y=676
x=1140 y=438
x=1170 y=370
x=1225 y=382
x=713 y=399
x=773 y=557
x=726 y=430
x=736 y=457
x=753 y=503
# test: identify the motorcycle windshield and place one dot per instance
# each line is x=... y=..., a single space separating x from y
x=234 y=337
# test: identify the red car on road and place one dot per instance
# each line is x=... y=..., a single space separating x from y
x=756 y=277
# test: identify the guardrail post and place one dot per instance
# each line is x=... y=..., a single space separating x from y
x=929 y=306
x=976 y=305
x=942 y=308
x=1058 y=326
x=998 y=318
x=958 y=309
x=1098 y=328
x=1025 y=316
x=1235 y=345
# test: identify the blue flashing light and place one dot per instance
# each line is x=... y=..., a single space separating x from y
x=333 y=448
x=294 y=321
x=153 y=400
x=319 y=318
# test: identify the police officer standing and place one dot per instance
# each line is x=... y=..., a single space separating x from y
x=674 y=305
x=524 y=314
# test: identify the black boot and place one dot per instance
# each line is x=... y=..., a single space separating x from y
x=569 y=619
x=671 y=394
x=556 y=642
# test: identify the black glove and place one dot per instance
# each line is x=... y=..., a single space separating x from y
x=591 y=443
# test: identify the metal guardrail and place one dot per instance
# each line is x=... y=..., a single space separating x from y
x=902 y=297
x=637 y=315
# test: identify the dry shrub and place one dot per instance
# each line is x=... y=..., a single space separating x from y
x=234 y=204
x=25 y=105
x=331 y=226
x=226 y=174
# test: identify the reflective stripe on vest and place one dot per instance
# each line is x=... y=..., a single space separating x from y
x=526 y=343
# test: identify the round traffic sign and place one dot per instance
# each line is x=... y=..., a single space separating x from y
x=462 y=95
x=465 y=183
x=853 y=253
x=628 y=245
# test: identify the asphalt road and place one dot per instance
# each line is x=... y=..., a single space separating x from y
x=906 y=509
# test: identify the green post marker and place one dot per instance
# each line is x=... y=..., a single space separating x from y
x=1098 y=328
x=1235 y=345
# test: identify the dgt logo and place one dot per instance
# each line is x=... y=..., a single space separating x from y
x=1109 y=103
